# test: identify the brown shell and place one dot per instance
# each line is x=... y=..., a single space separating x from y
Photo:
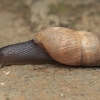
x=70 y=47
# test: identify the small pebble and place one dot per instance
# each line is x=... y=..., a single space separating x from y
x=6 y=73
x=62 y=95
x=2 y=84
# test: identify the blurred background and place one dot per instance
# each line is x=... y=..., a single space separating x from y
x=24 y=17
x=19 y=20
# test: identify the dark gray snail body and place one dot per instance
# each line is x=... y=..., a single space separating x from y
x=24 y=53
x=53 y=45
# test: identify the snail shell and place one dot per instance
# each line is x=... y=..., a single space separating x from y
x=70 y=47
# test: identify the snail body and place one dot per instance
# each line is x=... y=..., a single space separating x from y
x=55 y=44
x=24 y=53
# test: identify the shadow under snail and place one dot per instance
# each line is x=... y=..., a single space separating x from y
x=53 y=45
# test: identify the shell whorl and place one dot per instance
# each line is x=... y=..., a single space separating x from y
x=70 y=47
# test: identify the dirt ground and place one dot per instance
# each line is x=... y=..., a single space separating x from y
x=19 y=20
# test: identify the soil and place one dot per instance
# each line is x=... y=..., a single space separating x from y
x=19 y=20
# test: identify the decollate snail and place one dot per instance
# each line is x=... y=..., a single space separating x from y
x=55 y=44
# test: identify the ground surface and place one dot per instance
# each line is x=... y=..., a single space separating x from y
x=19 y=20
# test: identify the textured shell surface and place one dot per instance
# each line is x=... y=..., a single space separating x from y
x=90 y=48
x=70 y=47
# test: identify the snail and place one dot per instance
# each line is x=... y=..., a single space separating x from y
x=55 y=45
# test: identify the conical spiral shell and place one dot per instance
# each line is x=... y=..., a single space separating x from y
x=70 y=47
